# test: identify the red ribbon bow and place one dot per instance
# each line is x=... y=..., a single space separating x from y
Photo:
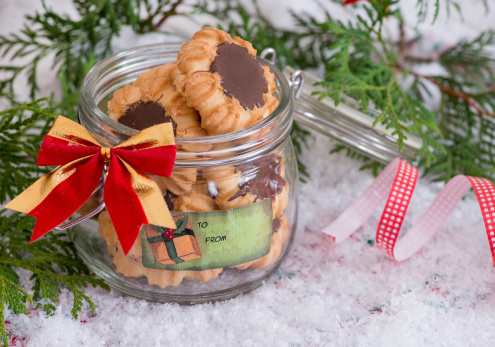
x=131 y=197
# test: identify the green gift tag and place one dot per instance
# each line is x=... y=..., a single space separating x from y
x=225 y=238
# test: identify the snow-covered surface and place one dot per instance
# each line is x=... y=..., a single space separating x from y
x=347 y=294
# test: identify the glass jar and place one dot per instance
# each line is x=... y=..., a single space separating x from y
x=236 y=193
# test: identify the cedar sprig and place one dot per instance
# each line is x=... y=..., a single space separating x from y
x=73 y=43
x=302 y=47
x=457 y=137
x=52 y=262
x=468 y=133
x=68 y=42
x=423 y=8
x=363 y=67
x=21 y=131
x=156 y=13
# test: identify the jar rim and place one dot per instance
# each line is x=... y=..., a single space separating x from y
x=88 y=100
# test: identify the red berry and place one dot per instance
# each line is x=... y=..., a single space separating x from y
x=170 y=237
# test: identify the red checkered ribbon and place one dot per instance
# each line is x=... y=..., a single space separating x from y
x=402 y=177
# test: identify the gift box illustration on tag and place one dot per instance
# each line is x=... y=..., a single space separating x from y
x=173 y=246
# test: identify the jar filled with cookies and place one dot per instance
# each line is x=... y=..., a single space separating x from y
x=234 y=186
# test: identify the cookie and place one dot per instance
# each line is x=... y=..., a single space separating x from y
x=180 y=181
x=194 y=202
x=221 y=78
x=159 y=81
x=248 y=183
x=128 y=108
x=153 y=99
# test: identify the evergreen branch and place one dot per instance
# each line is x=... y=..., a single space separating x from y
x=304 y=47
x=157 y=13
x=423 y=7
x=455 y=93
x=52 y=260
x=368 y=164
x=171 y=12
x=74 y=42
x=470 y=62
x=355 y=70
x=22 y=129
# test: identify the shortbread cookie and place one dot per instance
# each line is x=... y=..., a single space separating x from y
x=221 y=78
x=131 y=265
x=128 y=108
x=180 y=181
x=157 y=84
x=245 y=184
x=194 y=202
x=153 y=99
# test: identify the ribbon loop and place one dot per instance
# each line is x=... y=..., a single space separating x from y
x=132 y=198
x=402 y=178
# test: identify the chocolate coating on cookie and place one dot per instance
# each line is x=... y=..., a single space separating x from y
x=242 y=76
x=141 y=115
x=276 y=224
x=169 y=198
x=266 y=181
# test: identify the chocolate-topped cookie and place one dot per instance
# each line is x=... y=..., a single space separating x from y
x=141 y=115
x=261 y=178
x=248 y=183
x=130 y=108
x=221 y=78
x=242 y=76
x=153 y=99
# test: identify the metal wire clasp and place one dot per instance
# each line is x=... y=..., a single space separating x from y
x=269 y=52
x=296 y=82
x=297 y=78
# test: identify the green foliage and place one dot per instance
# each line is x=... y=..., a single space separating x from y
x=155 y=13
x=368 y=164
x=467 y=109
x=359 y=69
x=423 y=7
x=52 y=262
x=74 y=44
x=468 y=136
x=68 y=43
x=21 y=131
x=469 y=62
x=301 y=48
x=457 y=137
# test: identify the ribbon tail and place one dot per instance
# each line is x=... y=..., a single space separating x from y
x=57 y=195
x=399 y=179
x=133 y=199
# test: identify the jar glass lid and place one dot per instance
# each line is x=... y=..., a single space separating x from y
x=348 y=123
